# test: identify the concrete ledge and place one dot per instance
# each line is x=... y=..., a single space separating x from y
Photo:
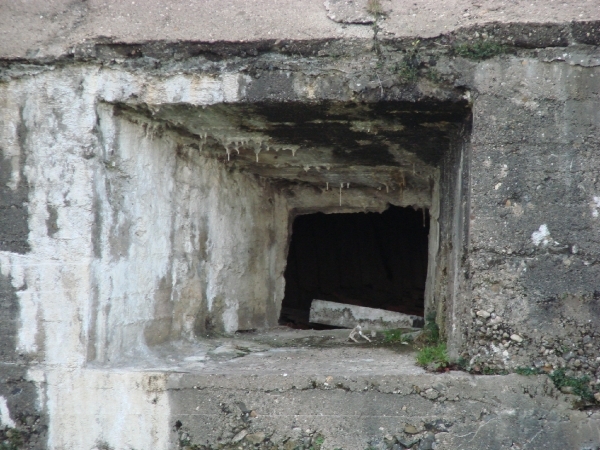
x=451 y=410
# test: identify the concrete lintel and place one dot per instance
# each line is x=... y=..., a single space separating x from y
x=348 y=316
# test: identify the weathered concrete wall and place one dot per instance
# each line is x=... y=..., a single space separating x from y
x=135 y=239
x=534 y=221
x=183 y=246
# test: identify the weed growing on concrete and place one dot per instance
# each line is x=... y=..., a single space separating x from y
x=481 y=50
x=317 y=443
x=493 y=371
x=433 y=75
x=431 y=331
x=578 y=385
x=462 y=364
x=395 y=337
x=408 y=69
x=528 y=371
x=11 y=439
x=375 y=8
x=433 y=356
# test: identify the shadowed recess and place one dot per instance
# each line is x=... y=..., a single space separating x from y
x=377 y=260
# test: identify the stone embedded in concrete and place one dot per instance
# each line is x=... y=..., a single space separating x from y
x=348 y=316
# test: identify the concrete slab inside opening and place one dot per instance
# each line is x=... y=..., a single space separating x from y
x=375 y=260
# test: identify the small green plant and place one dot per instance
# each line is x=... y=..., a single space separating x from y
x=462 y=364
x=493 y=371
x=394 y=336
x=480 y=50
x=528 y=371
x=317 y=442
x=433 y=75
x=579 y=385
x=408 y=69
x=11 y=439
x=433 y=355
x=431 y=330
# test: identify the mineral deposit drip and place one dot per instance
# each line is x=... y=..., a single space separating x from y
x=341 y=187
x=327 y=186
x=202 y=141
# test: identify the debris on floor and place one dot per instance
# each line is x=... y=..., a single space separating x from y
x=355 y=330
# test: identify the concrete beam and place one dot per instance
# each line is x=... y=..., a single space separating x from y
x=348 y=316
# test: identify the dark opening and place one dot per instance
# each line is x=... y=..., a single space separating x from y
x=365 y=259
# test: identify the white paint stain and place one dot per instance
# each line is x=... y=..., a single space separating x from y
x=541 y=236
x=595 y=206
x=5 y=414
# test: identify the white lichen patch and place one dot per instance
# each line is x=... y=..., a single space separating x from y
x=5 y=414
x=541 y=236
x=595 y=206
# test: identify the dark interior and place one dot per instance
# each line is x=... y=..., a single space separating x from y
x=378 y=260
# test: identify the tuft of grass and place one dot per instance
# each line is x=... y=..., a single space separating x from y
x=375 y=8
x=480 y=50
x=435 y=355
x=528 y=371
x=580 y=385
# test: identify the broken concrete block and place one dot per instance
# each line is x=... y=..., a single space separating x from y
x=348 y=316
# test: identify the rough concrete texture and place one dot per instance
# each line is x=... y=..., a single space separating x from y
x=140 y=212
x=534 y=231
x=352 y=411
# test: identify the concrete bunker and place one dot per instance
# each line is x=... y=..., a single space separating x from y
x=376 y=260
